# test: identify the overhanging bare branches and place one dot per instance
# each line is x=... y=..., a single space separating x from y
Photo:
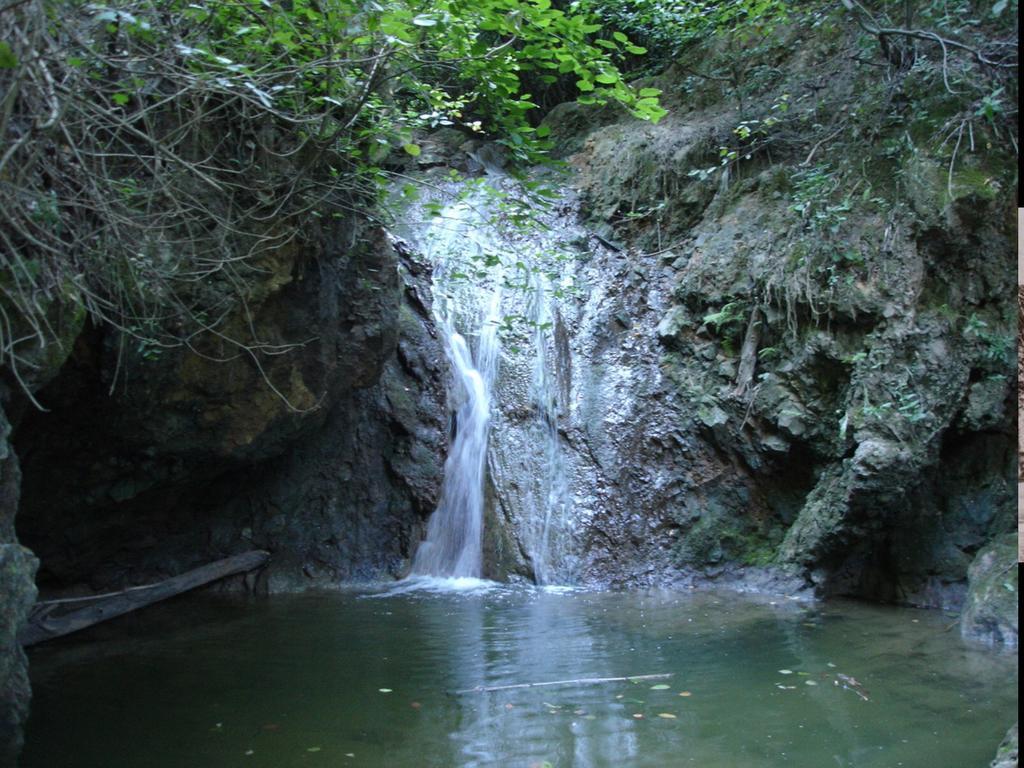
x=153 y=184
x=1003 y=54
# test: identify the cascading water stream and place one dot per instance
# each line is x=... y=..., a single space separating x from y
x=527 y=466
x=545 y=533
x=454 y=543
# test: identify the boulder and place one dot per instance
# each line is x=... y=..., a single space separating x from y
x=1006 y=755
x=990 y=612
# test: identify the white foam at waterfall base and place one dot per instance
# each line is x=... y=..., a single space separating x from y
x=441 y=585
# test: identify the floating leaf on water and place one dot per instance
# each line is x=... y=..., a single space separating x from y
x=804 y=674
x=350 y=754
x=659 y=687
x=809 y=682
x=785 y=671
x=384 y=690
x=248 y=752
x=667 y=715
x=619 y=696
x=685 y=693
x=638 y=716
x=830 y=664
x=312 y=749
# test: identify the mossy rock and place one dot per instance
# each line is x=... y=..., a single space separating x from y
x=1006 y=755
x=571 y=123
x=990 y=612
x=503 y=559
x=932 y=190
x=41 y=355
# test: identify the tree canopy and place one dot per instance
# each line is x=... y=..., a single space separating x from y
x=156 y=150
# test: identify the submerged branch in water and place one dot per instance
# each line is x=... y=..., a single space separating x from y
x=578 y=681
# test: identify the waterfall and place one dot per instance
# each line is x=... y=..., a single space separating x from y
x=484 y=276
x=454 y=543
x=546 y=533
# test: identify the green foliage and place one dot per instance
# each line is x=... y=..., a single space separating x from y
x=752 y=136
x=718 y=537
x=667 y=26
x=402 y=66
x=905 y=408
x=7 y=58
x=728 y=319
x=813 y=189
x=160 y=155
x=996 y=348
x=945 y=89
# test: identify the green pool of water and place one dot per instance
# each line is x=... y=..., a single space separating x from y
x=347 y=679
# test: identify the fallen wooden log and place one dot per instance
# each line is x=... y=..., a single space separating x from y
x=577 y=681
x=54 y=618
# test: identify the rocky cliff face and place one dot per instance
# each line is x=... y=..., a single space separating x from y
x=1006 y=755
x=17 y=563
x=990 y=611
x=17 y=594
x=322 y=442
x=311 y=444
x=781 y=372
x=789 y=370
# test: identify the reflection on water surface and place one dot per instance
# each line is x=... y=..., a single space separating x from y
x=365 y=679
